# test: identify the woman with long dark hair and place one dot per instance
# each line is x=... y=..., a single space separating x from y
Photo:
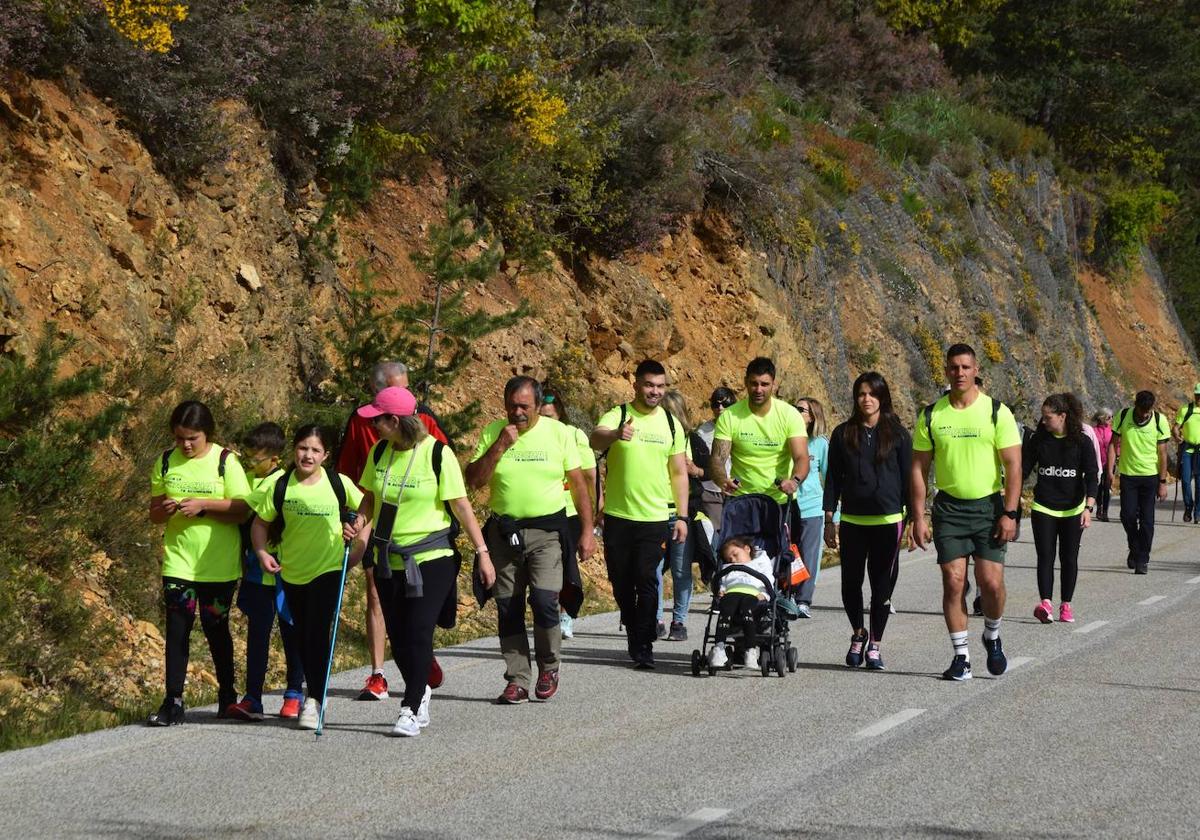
x=869 y=460
x=1063 y=500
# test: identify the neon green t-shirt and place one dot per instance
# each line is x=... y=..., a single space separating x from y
x=200 y=549
x=256 y=484
x=638 y=484
x=1139 y=443
x=587 y=461
x=422 y=508
x=759 y=449
x=1189 y=430
x=528 y=479
x=311 y=544
x=966 y=445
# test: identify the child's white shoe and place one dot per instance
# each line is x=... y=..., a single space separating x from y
x=752 y=657
x=717 y=656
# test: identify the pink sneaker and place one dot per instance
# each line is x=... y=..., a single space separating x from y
x=1044 y=611
x=1065 y=613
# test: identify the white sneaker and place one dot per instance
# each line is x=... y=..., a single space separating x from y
x=717 y=656
x=566 y=626
x=406 y=725
x=423 y=709
x=310 y=715
x=803 y=610
x=752 y=657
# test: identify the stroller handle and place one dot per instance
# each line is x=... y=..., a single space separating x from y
x=740 y=567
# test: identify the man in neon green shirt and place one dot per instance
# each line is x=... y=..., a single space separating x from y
x=1187 y=434
x=1142 y=434
x=524 y=459
x=977 y=445
x=646 y=484
x=763 y=438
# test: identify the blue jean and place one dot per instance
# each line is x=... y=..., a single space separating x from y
x=809 y=541
x=1189 y=471
x=257 y=601
x=681 y=579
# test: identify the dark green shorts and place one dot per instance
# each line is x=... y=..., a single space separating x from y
x=963 y=528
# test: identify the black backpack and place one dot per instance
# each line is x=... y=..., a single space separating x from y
x=601 y=456
x=928 y=412
x=275 y=528
x=1124 y=412
x=439 y=449
x=225 y=453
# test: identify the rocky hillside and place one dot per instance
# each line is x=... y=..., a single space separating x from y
x=206 y=290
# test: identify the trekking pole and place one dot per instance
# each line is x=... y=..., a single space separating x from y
x=337 y=614
x=1176 y=500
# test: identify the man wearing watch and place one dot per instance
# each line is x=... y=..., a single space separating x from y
x=977 y=444
x=1142 y=433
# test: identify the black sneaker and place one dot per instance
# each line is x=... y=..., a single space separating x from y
x=997 y=662
x=661 y=631
x=170 y=713
x=959 y=670
x=854 y=656
x=678 y=633
x=1141 y=569
x=874 y=660
x=644 y=660
x=978 y=605
x=1187 y=516
x=1130 y=562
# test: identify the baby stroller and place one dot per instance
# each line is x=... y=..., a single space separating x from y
x=761 y=519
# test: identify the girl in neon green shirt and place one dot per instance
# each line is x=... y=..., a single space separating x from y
x=310 y=553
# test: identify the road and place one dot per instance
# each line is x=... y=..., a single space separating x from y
x=1095 y=731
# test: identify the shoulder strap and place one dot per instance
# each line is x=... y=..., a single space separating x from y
x=624 y=414
x=377 y=452
x=438 y=449
x=1158 y=422
x=670 y=424
x=339 y=489
x=280 y=491
x=928 y=412
x=996 y=404
x=166 y=461
x=221 y=462
x=1191 y=407
x=1120 y=418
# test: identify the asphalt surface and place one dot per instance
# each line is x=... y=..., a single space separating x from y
x=1094 y=732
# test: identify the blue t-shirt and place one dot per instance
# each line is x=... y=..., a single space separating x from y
x=811 y=495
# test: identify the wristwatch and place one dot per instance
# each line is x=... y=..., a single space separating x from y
x=797 y=480
x=1090 y=508
x=1014 y=515
x=1162 y=481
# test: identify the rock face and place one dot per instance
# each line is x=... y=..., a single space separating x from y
x=209 y=286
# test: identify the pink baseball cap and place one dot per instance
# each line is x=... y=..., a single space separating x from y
x=398 y=401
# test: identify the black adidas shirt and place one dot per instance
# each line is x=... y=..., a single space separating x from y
x=1066 y=469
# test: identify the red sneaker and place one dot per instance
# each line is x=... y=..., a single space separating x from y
x=247 y=709
x=547 y=685
x=436 y=677
x=375 y=688
x=290 y=710
x=513 y=695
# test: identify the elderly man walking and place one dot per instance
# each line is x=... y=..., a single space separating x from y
x=525 y=459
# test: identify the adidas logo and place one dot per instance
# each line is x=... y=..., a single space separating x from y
x=1057 y=472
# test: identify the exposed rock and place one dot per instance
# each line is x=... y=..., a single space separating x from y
x=247 y=275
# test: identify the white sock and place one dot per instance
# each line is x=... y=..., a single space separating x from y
x=991 y=628
x=378 y=671
x=959 y=640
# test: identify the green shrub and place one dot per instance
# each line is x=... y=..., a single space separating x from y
x=1131 y=215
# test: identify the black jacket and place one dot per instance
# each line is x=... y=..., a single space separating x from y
x=1066 y=469
x=864 y=487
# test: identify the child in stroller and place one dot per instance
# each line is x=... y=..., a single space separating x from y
x=750 y=591
x=743 y=598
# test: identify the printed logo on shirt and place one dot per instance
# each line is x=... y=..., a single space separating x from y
x=299 y=507
x=178 y=485
x=1057 y=472
x=756 y=440
x=653 y=438
x=526 y=455
x=958 y=432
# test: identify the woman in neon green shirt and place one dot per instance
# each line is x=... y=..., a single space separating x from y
x=411 y=484
x=197 y=490
x=310 y=551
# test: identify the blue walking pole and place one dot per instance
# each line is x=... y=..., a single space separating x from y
x=349 y=517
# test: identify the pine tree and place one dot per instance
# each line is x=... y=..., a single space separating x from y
x=433 y=336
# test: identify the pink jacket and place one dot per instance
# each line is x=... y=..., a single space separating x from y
x=1103 y=436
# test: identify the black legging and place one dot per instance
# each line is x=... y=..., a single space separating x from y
x=410 y=623
x=1066 y=531
x=182 y=599
x=1103 y=495
x=873 y=550
x=313 y=606
x=741 y=608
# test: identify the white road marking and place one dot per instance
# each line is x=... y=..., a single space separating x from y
x=889 y=722
x=1088 y=628
x=1195 y=580
x=693 y=821
x=1018 y=661
x=1153 y=599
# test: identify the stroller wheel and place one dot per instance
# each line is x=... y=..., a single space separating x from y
x=793 y=657
x=696 y=660
x=780 y=660
x=764 y=661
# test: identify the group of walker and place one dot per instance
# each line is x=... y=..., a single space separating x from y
x=289 y=534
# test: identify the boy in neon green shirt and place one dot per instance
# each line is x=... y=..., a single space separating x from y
x=1142 y=434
